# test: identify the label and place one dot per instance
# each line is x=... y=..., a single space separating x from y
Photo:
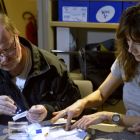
x=105 y=14
x=21 y=115
x=77 y=14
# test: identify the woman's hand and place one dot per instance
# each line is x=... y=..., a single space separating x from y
x=70 y=112
x=7 y=106
x=88 y=120
x=36 y=113
x=135 y=128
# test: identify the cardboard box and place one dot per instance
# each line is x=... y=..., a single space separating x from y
x=73 y=10
x=105 y=11
x=127 y=4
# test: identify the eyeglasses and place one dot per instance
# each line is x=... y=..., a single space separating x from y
x=9 y=50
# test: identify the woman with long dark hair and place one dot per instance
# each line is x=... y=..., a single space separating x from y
x=125 y=70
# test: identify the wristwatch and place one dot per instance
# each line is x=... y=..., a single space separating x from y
x=116 y=118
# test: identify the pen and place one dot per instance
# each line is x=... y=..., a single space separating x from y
x=48 y=123
x=55 y=124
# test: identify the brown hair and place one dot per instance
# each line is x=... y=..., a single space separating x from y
x=129 y=27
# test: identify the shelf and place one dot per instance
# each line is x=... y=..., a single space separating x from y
x=84 y=25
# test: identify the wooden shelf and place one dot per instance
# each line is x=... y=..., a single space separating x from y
x=89 y=25
x=49 y=20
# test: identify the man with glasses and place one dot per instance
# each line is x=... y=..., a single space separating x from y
x=30 y=78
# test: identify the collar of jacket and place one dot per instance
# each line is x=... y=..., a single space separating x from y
x=42 y=60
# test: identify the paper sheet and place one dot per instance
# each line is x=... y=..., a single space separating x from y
x=56 y=133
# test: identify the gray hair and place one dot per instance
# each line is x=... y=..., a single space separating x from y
x=8 y=24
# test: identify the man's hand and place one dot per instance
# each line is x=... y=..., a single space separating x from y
x=7 y=106
x=70 y=112
x=36 y=113
x=135 y=128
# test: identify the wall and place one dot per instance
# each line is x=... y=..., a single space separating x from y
x=15 y=9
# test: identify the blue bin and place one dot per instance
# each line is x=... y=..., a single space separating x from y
x=128 y=4
x=106 y=12
x=73 y=10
